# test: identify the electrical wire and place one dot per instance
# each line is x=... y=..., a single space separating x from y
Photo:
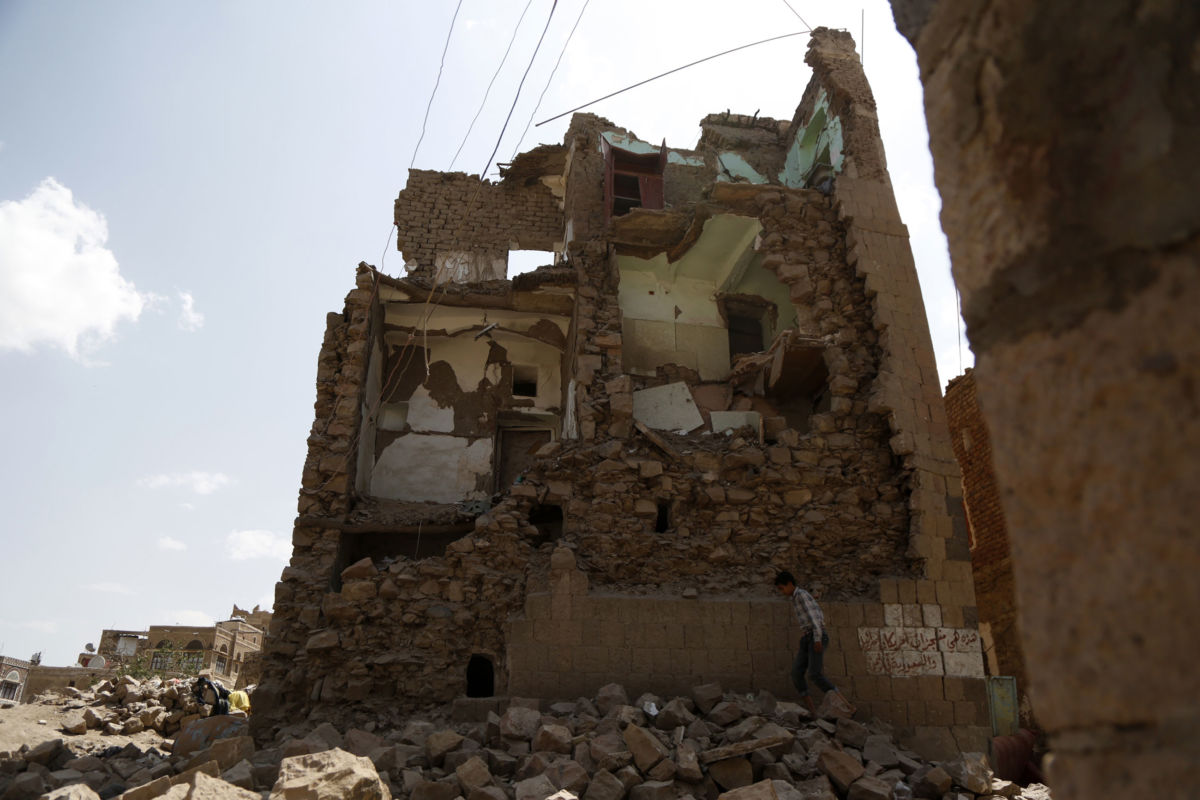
x=797 y=13
x=424 y=122
x=436 y=83
x=542 y=96
x=511 y=108
x=488 y=91
x=670 y=72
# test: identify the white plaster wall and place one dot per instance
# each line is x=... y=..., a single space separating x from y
x=425 y=416
x=432 y=468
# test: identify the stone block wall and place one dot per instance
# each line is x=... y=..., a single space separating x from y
x=861 y=502
x=991 y=557
x=901 y=662
x=1065 y=136
x=440 y=212
x=44 y=679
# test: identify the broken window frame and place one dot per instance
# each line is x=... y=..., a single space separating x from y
x=626 y=172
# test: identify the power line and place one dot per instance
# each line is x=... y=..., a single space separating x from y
x=797 y=13
x=670 y=72
x=488 y=91
x=441 y=66
x=425 y=121
x=511 y=108
x=548 y=80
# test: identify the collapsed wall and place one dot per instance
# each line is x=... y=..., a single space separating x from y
x=591 y=473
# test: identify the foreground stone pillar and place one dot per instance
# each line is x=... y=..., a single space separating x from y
x=1066 y=137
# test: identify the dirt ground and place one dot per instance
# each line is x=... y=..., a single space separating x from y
x=23 y=724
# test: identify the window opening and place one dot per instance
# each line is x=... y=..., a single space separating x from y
x=522 y=261
x=221 y=664
x=745 y=335
x=524 y=381
x=548 y=519
x=662 y=521
x=632 y=180
x=481 y=677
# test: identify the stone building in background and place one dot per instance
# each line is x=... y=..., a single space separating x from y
x=991 y=555
x=13 y=673
x=591 y=472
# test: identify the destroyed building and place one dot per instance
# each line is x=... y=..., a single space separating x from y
x=590 y=473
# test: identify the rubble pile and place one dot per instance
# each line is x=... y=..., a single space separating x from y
x=706 y=746
x=127 y=706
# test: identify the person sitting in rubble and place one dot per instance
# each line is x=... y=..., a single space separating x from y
x=814 y=638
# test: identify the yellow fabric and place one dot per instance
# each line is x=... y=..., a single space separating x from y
x=239 y=701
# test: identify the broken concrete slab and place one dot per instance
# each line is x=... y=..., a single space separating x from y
x=667 y=408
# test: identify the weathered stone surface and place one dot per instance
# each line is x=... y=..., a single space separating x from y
x=879 y=749
x=647 y=750
x=841 y=768
x=240 y=774
x=971 y=772
x=653 y=790
x=26 y=786
x=520 y=723
x=851 y=733
x=869 y=788
x=605 y=786
x=687 y=765
x=707 y=695
x=763 y=790
x=75 y=724
x=732 y=773
x=569 y=775
x=610 y=696
x=202 y=733
x=440 y=743
x=360 y=742
x=78 y=791
x=473 y=774
x=552 y=739
x=933 y=783
x=538 y=787
x=817 y=788
x=331 y=775
x=434 y=790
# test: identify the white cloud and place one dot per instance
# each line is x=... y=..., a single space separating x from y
x=198 y=482
x=167 y=543
x=189 y=318
x=108 y=588
x=59 y=284
x=244 y=545
x=187 y=616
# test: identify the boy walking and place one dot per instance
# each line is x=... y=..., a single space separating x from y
x=810 y=658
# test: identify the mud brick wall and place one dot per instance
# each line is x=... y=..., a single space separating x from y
x=991 y=557
x=438 y=212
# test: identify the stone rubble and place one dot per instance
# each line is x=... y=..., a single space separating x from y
x=744 y=747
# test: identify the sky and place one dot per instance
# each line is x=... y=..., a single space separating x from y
x=185 y=190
